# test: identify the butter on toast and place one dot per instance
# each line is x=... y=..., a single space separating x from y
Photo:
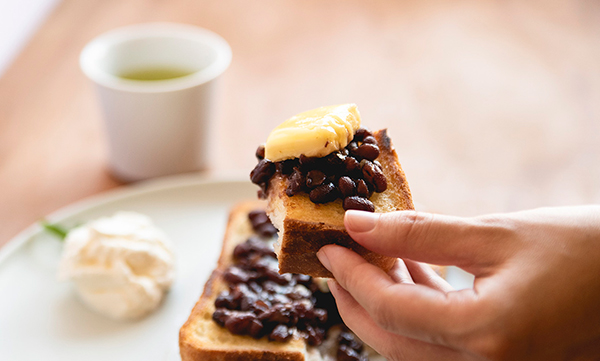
x=304 y=227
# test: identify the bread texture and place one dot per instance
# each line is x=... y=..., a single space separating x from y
x=304 y=227
x=200 y=338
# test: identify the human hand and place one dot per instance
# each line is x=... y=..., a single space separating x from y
x=536 y=294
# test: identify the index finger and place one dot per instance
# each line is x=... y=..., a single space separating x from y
x=469 y=243
x=414 y=311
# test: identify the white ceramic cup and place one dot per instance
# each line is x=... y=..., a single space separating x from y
x=156 y=127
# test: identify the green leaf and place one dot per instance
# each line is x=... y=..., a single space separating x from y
x=55 y=229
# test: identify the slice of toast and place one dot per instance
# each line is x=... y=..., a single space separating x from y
x=304 y=227
x=200 y=338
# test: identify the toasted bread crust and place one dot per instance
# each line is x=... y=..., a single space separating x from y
x=305 y=226
x=225 y=346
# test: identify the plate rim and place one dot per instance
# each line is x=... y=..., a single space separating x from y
x=112 y=195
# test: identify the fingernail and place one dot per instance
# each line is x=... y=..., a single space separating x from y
x=324 y=260
x=360 y=221
x=332 y=285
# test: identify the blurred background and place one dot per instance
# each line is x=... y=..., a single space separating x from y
x=493 y=106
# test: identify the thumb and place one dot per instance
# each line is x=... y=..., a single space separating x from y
x=431 y=238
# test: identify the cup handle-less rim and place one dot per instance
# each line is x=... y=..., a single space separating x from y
x=99 y=45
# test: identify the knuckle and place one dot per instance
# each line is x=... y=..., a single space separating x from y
x=492 y=346
x=345 y=279
x=414 y=225
x=382 y=313
x=394 y=353
x=452 y=320
x=497 y=226
x=350 y=279
x=489 y=336
x=456 y=325
x=501 y=234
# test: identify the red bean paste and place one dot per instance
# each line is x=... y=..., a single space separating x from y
x=260 y=302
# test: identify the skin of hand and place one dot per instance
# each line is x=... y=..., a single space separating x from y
x=536 y=294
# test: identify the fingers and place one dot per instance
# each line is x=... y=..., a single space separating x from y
x=414 y=311
x=431 y=238
x=423 y=274
x=388 y=344
x=411 y=272
x=400 y=274
x=358 y=320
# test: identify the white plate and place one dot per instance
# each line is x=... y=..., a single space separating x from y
x=42 y=319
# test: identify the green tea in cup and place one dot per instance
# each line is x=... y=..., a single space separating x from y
x=157 y=73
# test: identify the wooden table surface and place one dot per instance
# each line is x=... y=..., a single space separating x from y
x=493 y=106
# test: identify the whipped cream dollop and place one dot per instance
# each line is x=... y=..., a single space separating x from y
x=121 y=265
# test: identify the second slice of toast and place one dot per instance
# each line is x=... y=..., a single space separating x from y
x=201 y=338
x=304 y=227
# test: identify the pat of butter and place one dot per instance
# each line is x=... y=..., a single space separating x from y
x=315 y=133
